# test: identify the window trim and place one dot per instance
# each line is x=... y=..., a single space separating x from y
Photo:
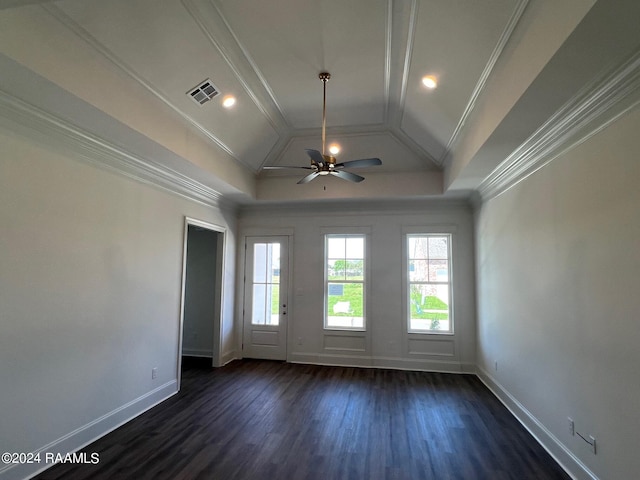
x=432 y=230
x=342 y=232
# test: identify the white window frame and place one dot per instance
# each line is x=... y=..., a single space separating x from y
x=433 y=231
x=361 y=233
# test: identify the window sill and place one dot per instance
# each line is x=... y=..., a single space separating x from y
x=430 y=332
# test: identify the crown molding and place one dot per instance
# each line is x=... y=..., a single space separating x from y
x=406 y=66
x=394 y=120
x=399 y=41
x=84 y=35
x=36 y=124
x=399 y=46
x=237 y=57
x=600 y=103
x=482 y=81
x=388 y=42
x=276 y=151
x=408 y=141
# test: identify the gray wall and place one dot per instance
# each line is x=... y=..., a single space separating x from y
x=558 y=259
x=200 y=287
x=90 y=286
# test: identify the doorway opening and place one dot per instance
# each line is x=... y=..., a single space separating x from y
x=202 y=287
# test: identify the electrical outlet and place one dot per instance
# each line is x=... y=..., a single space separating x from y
x=495 y=365
x=154 y=373
x=572 y=428
x=593 y=443
x=299 y=340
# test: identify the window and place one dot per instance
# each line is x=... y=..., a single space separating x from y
x=429 y=279
x=344 y=282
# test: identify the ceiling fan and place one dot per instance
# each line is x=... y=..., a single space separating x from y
x=322 y=164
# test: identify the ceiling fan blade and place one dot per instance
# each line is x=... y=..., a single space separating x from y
x=315 y=155
x=363 y=162
x=285 y=166
x=352 y=177
x=308 y=178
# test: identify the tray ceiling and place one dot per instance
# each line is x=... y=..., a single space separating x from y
x=268 y=56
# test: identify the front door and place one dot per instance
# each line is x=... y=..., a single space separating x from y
x=265 y=297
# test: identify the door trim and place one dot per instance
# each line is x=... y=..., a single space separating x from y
x=267 y=232
x=219 y=293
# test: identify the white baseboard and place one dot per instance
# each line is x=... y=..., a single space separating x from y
x=567 y=460
x=395 y=363
x=196 y=352
x=89 y=433
x=228 y=357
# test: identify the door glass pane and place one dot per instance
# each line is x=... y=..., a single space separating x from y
x=260 y=263
x=274 y=304
x=273 y=263
x=259 y=300
x=266 y=284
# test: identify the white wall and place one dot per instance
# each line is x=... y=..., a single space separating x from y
x=386 y=343
x=558 y=258
x=90 y=285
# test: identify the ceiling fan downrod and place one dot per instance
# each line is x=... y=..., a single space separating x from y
x=324 y=76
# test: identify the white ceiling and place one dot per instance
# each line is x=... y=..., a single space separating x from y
x=486 y=55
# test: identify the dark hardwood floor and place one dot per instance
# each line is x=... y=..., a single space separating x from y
x=272 y=420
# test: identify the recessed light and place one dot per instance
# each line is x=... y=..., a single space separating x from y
x=228 y=101
x=334 y=148
x=429 y=81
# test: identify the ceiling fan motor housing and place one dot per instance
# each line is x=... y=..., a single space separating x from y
x=326 y=166
x=329 y=161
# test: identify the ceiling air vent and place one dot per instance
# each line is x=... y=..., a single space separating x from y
x=203 y=92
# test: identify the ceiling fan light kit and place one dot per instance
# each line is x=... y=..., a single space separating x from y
x=322 y=164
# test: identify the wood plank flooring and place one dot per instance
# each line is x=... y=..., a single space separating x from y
x=271 y=420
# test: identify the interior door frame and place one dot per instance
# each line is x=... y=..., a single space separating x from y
x=266 y=232
x=218 y=295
